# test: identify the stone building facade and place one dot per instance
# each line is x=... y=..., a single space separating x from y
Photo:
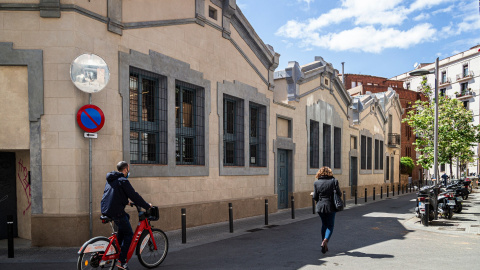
x=192 y=104
x=361 y=84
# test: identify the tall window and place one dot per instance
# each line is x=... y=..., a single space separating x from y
x=465 y=71
x=189 y=124
x=444 y=76
x=369 y=153
x=327 y=145
x=443 y=91
x=363 y=145
x=148 y=117
x=258 y=140
x=233 y=134
x=381 y=155
x=337 y=148
x=464 y=88
x=314 y=146
x=377 y=154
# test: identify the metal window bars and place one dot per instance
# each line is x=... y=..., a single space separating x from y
x=327 y=145
x=258 y=136
x=148 y=117
x=233 y=131
x=314 y=146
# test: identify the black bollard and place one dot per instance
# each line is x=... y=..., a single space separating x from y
x=427 y=211
x=355 y=196
x=10 y=236
x=374 y=193
x=398 y=190
x=344 y=200
x=266 y=212
x=230 y=216
x=381 y=192
x=184 y=225
x=293 y=208
x=365 y=194
x=388 y=191
x=313 y=206
x=393 y=190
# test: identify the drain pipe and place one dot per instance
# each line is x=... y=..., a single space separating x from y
x=343 y=74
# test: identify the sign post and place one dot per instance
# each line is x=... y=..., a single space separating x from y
x=90 y=74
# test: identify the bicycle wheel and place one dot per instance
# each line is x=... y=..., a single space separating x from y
x=147 y=255
x=93 y=259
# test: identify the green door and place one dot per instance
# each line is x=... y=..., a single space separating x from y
x=282 y=179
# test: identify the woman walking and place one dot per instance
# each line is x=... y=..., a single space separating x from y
x=323 y=194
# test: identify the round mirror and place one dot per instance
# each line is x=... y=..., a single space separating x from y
x=89 y=73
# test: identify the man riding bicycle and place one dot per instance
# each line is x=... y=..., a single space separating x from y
x=115 y=197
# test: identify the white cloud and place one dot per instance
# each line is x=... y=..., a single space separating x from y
x=369 y=39
x=423 y=4
x=422 y=16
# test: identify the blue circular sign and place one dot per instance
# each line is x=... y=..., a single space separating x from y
x=90 y=118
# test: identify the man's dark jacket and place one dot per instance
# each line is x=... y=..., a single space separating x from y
x=116 y=194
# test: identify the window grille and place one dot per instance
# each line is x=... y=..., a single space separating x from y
x=369 y=153
x=363 y=162
x=337 y=145
x=381 y=155
x=327 y=147
x=258 y=135
x=148 y=117
x=189 y=124
x=314 y=146
x=233 y=131
x=387 y=168
x=377 y=154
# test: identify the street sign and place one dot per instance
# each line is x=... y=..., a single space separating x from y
x=90 y=135
x=90 y=118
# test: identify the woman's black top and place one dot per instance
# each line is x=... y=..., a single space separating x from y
x=323 y=194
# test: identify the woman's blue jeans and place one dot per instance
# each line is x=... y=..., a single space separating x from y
x=124 y=236
x=328 y=222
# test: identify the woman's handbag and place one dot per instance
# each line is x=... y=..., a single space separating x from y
x=337 y=199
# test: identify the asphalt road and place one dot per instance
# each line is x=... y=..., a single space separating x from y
x=372 y=236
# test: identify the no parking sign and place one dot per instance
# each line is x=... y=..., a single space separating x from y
x=90 y=118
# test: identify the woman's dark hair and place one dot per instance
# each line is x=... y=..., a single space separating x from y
x=324 y=171
x=121 y=165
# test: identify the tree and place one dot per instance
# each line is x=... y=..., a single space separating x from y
x=407 y=165
x=456 y=132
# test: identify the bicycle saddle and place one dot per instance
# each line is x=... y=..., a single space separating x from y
x=105 y=219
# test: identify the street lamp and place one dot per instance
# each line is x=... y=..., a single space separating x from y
x=422 y=72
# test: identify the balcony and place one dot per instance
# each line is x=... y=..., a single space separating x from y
x=465 y=76
x=447 y=82
x=393 y=140
x=466 y=94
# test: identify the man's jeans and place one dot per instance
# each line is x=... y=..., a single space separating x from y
x=124 y=235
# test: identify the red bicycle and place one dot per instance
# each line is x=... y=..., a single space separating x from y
x=102 y=252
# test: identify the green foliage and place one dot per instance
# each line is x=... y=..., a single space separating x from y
x=406 y=165
x=456 y=131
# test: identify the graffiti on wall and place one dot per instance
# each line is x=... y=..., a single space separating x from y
x=23 y=177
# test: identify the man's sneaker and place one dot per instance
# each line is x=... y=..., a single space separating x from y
x=122 y=266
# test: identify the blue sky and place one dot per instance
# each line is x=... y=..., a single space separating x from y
x=373 y=37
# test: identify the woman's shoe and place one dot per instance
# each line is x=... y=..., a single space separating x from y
x=324 y=246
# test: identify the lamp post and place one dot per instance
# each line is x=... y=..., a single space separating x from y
x=422 y=72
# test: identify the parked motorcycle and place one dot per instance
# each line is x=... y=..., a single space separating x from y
x=446 y=204
x=426 y=194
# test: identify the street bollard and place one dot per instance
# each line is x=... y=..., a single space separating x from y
x=374 y=193
x=313 y=206
x=184 y=225
x=427 y=211
x=230 y=216
x=393 y=190
x=365 y=194
x=10 y=235
x=381 y=192
x=266 y=212
x=398 y=190
x=355 y=196
x=344 y=200
x=388 y=191
x=293 y=208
